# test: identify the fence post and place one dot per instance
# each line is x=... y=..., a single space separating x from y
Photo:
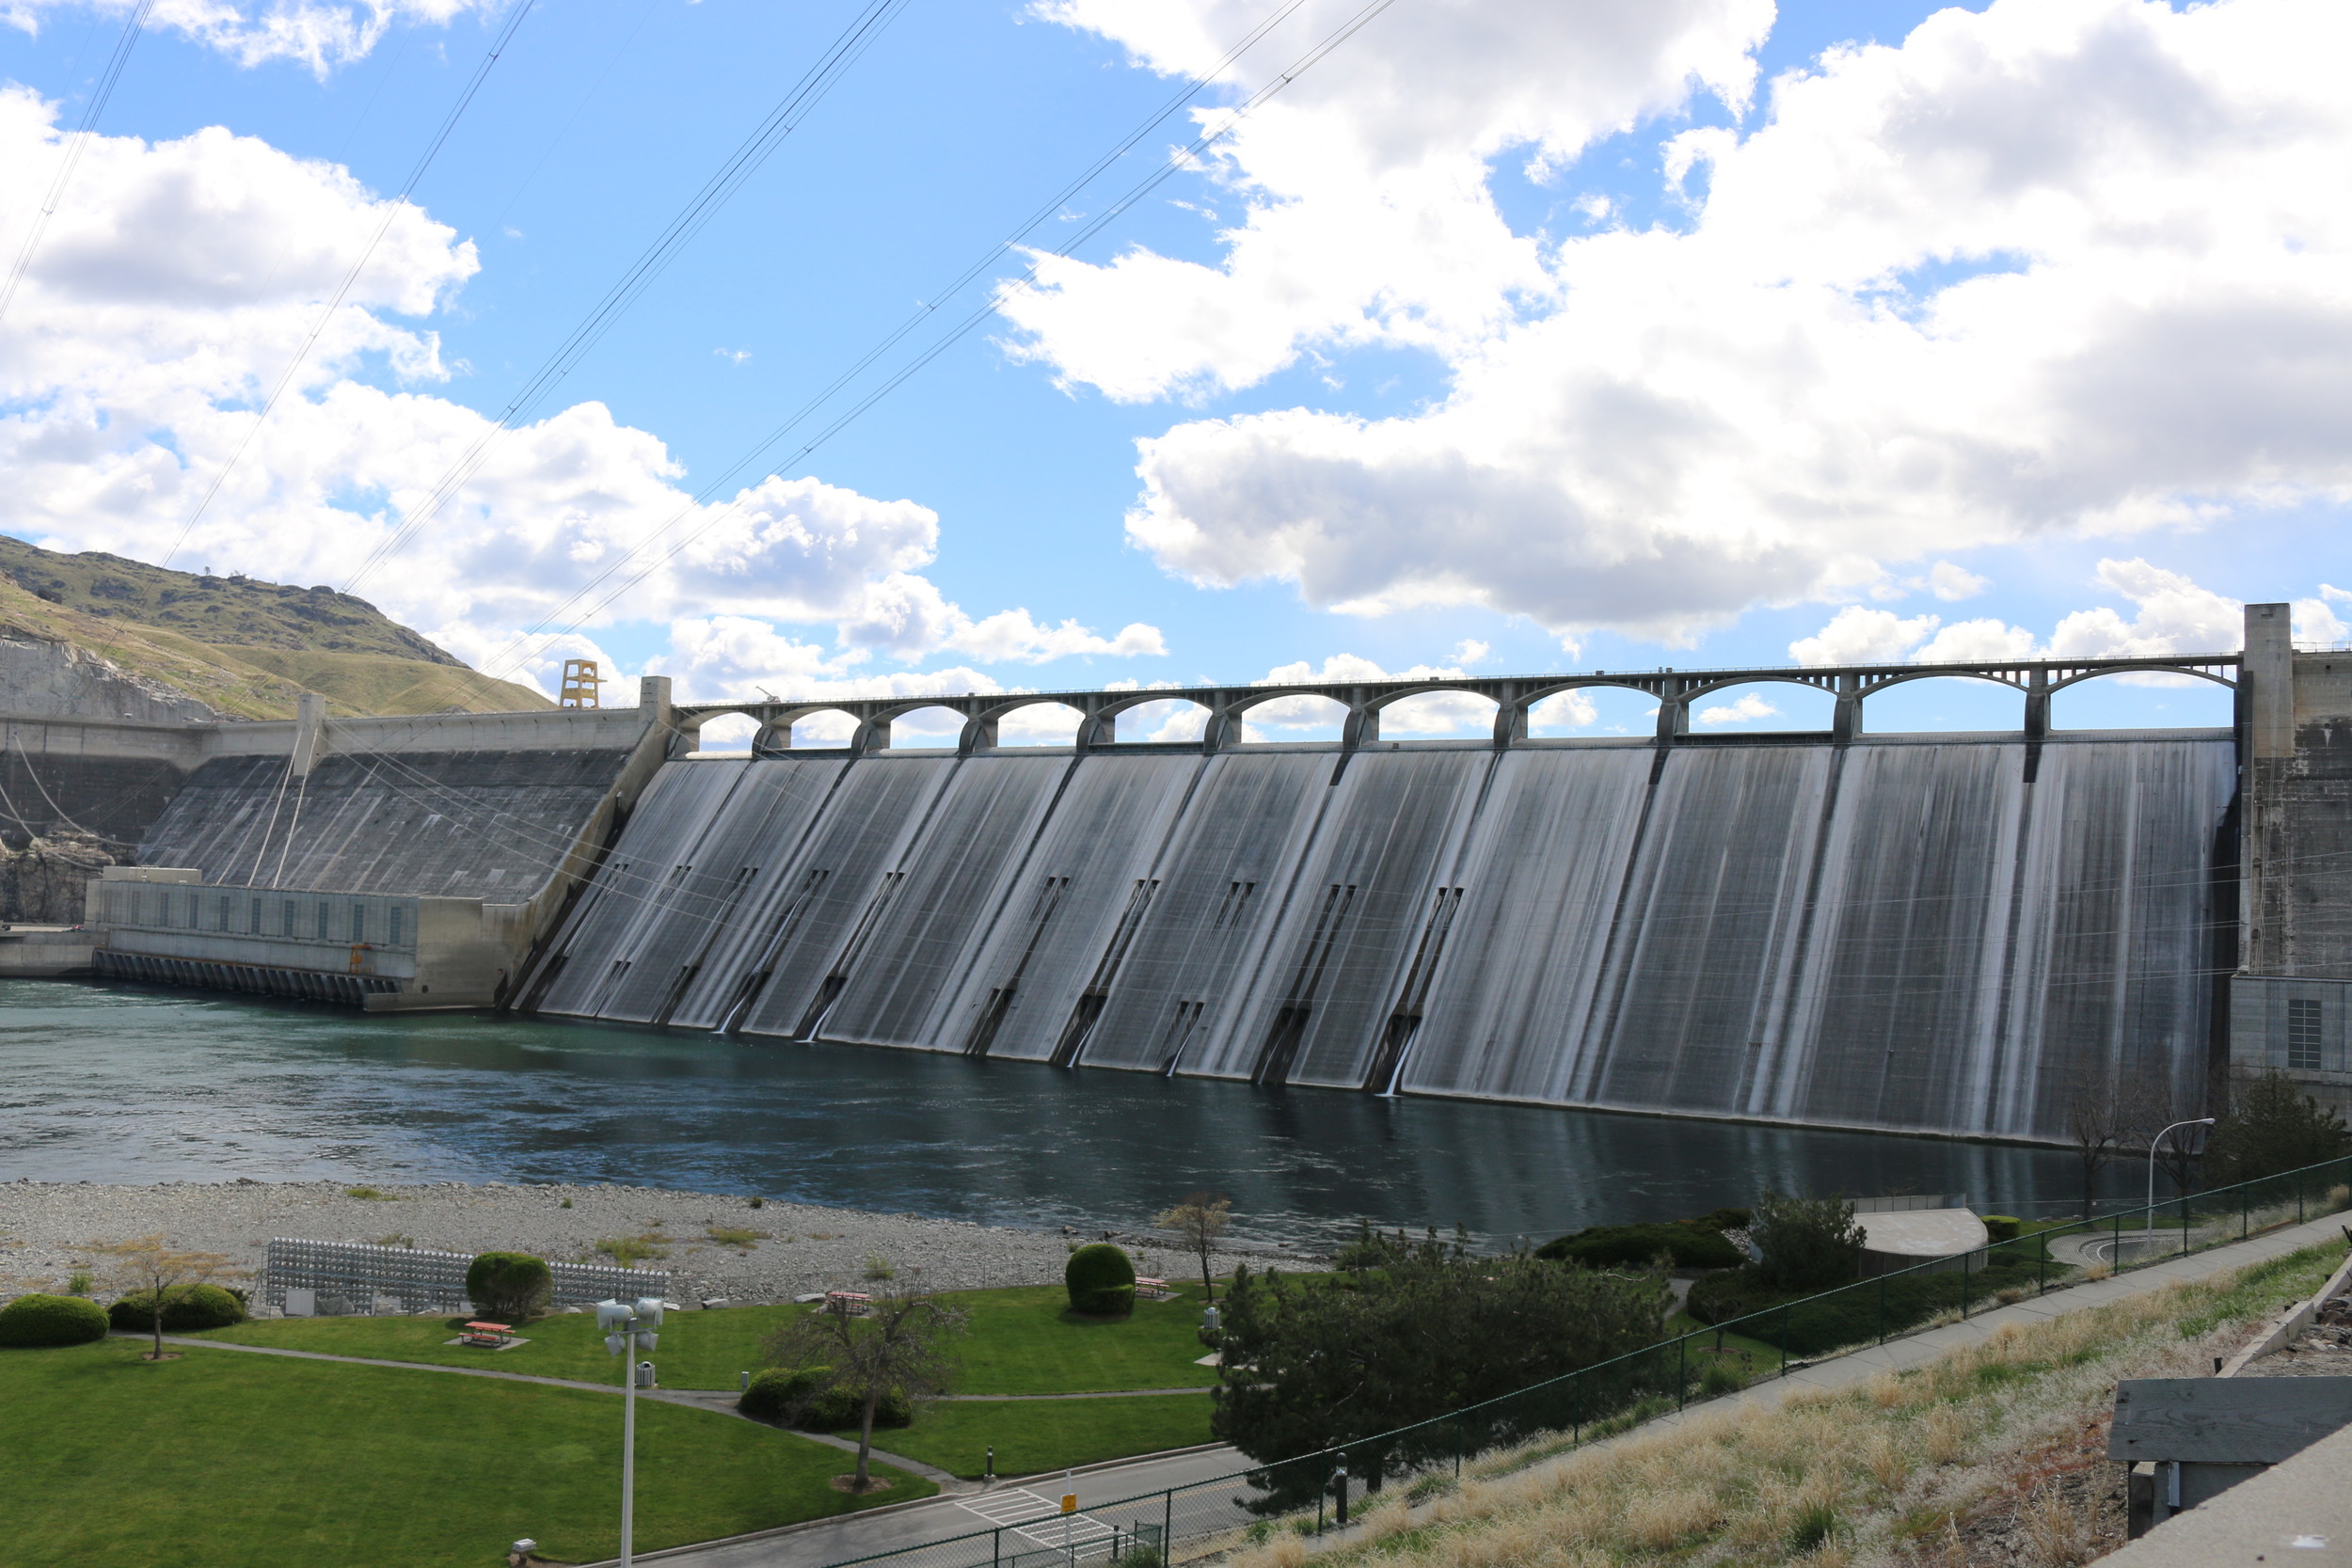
x=1167 y=1526
x=2184 y=1222
x=2299 y=1197
x=2242 y=1218
x=1457 y=1449
x=1881 y=1309
x=1682 y=1371
x=997 y=1547
x=1963 y=1286
x=1784 y=1339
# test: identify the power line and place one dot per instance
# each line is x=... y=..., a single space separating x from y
x=780 y=122
x=1184 y=158
x=398 y=205
x=76 y=145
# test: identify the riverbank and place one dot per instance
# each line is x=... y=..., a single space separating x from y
x=717 y=1247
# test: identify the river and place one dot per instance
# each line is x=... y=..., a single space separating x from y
x=130 y=1085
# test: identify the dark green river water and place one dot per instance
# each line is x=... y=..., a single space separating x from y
x=130 y=1085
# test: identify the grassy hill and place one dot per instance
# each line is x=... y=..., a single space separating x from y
x=245 y=647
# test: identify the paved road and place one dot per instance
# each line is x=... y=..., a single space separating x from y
x=1029 y=1514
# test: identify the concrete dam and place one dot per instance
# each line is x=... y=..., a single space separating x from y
x=1896 y=933
x=1947 y=934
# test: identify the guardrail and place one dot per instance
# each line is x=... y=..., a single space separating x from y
x=1156 y=1530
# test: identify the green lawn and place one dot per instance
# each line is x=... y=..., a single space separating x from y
x=1022 y=1341
x=1033 y=1435
x=226 y=1461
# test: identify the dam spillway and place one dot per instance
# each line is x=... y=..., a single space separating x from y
x=1920 y=933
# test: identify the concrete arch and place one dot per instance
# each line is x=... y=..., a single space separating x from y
x=2158 y=666
x=1107 y=716
x=1511 y=714
x=1376 y=712
x=2174 y=701
x=1236 y=712
x=988 y=720
x=884 y=722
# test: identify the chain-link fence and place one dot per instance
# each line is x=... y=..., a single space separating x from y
x=1310 y=1492
x=354 y=1278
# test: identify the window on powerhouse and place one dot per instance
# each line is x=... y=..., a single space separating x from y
x=2303 y=1034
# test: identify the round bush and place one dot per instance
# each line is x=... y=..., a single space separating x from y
x=2003 y=1227
x=798 y=1398
x=186 y=1311
x=511 y=1287
x=46 y=1319
x=1102 y=1281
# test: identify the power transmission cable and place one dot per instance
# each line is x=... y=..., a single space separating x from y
x=1187 y=157
x=76 y=145
x=445 y=489
x=391 y=212
x=755 y=151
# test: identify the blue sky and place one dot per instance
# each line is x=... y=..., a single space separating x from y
x=1511 y=338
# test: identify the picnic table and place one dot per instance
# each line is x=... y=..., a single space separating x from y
x=490 y=1336
x=1157 y=1289
x=850 y=1304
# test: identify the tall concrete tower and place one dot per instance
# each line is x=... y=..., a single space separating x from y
x=2289 y=999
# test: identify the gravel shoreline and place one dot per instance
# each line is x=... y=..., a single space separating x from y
x=48 y=1229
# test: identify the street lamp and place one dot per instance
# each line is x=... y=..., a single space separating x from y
x=2148 y=1232
x=628 y=1329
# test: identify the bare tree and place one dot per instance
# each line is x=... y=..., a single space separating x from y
x=167 y=1276
x=1200 y=1220
x=899 y=1345
x=2099 y=1125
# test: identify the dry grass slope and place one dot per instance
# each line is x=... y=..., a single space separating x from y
x=1989 y=1454
x=248 y=649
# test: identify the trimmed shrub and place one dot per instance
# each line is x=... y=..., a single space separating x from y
x=798 y=1398
x=2003 y=1227
x=1725 y=1219
x=511 y=1287
x=186 y=1311
x=1691 y=1244
x=1102 y=1281
x=47 y=1320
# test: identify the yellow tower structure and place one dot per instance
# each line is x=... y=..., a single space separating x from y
x=580 y=683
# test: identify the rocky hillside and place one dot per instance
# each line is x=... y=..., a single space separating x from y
x=95 y=635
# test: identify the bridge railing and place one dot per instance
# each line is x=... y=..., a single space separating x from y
x=1310 y=1493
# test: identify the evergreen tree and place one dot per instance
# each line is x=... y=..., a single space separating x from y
x=2270 y=1128
x=1419 y=1329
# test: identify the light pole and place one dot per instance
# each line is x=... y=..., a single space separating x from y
x=2148 y=1232
x=627 y=1330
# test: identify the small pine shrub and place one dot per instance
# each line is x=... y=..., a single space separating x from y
x=46 y=1319
x=190 y=1311
x=1101 y=1280
x=510 y=1286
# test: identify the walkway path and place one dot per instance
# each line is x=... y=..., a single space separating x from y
x=834 y=1541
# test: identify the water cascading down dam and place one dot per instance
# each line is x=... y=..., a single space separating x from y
x=1945 y=933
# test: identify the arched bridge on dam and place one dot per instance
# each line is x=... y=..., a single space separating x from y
x=1946 y=933
x=1225 y=707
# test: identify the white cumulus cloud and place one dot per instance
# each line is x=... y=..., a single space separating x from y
x=181 y=278
x=2058 y=265
x=321 y=37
